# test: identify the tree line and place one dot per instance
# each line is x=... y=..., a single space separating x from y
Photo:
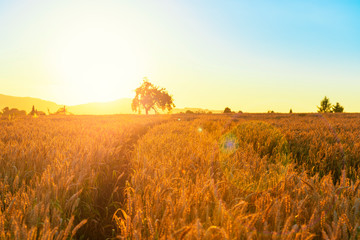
x=327 y=107
x=12 y=113
x=151 y=97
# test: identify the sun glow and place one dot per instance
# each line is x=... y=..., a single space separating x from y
x=95 y=64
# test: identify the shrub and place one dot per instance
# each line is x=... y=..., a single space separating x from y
x=227 y=110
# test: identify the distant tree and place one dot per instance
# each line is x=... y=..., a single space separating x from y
x=227 y=110
x=270 y=111
x=325 y=106
x=12 y=113
x=189 y=112
x=149 y=96
x=337 y=108
x=33 y=111
x=290 y=110
x=240 y=111
x=63 y=111
x=5 y=109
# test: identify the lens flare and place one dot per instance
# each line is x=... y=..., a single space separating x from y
x=229 y=144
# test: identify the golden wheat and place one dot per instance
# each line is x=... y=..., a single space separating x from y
x=258 y=176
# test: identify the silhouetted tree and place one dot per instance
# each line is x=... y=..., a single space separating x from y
x=5 y=109
x=12 y=113
x=325 y=106
x=33 y=111
x=290 y=110
x=338 y=108
x=63 y=111
x=227 y=110
x=270 y=111
x=149 y=96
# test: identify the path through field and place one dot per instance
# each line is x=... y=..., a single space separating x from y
x=282 y=176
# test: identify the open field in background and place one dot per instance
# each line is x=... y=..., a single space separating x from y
x=281 y=176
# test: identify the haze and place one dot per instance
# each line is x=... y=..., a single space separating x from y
x=247 y=55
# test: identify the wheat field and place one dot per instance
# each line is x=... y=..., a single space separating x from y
x=226 y=176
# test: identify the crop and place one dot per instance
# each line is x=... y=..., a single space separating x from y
x=227 y=179
x=62 y=177
x=234 y=176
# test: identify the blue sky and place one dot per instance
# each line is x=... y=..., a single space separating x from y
x=248 y=55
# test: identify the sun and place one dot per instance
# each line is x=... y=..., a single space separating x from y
x=95 y=64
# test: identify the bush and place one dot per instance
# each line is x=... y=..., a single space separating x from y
x=337 y=108
x=227 y=110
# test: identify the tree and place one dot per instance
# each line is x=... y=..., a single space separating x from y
x=63 y=111
x=337 y=108
x=149 y=96
x=12 y=113
x=5 y=109
x=33 y=111
x=325 y=106
x=290 y=110
x=227 y=110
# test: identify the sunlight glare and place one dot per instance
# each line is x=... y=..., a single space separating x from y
x=98 y=65
x=229 y=143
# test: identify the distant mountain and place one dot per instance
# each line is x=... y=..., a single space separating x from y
x=26 y=103
x=115 y=107
x=120 y=106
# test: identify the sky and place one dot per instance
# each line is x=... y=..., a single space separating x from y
x=252 y=56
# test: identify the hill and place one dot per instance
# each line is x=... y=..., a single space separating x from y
x=120 y=106
x=115 y=107
x=26 y=103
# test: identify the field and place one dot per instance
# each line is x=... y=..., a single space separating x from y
x=186 y=176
